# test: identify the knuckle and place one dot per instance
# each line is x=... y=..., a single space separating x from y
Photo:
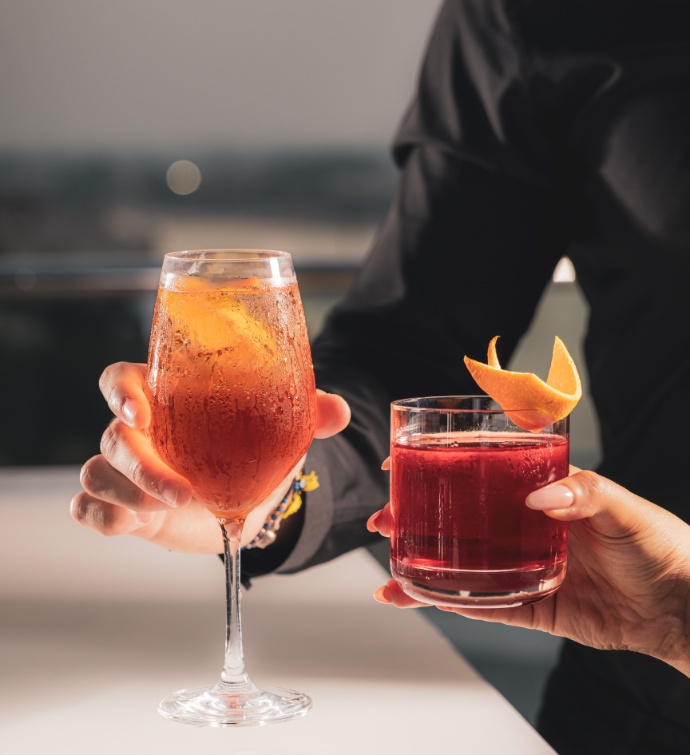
x=96 y=515
x=109 y=384
x=137 y=474
x=111 y=438
x=106 y=380
x=94 y=477
x=88 y=475
x=101 y=481
x=79 y=507
x=591 y=485
x=109 y=526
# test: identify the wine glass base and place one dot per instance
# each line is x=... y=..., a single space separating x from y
x=209 y=707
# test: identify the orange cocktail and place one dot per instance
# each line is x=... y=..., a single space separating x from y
x=232 y=387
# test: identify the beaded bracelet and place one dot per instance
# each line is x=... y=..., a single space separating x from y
x=287 y=507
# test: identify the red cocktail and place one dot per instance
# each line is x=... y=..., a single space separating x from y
x=462 y=535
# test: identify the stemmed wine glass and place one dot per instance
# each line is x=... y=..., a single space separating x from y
x=233 y=408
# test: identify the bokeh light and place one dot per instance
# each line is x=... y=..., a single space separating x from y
x=183 y=177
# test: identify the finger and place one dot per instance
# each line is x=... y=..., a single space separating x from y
x=556 y=500
x=523 y=616
x=393 y=594
x=102 y=482
x=381 y=521
x=553 y=497
x=527 y=617
x=192 y=529
x=122 y=385
x=107 y=518
x=129 y=452
x=587 y=495
x=332 y=414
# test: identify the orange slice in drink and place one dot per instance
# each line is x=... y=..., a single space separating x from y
x=531 y=403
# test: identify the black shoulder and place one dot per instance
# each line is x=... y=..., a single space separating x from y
x=600 y=26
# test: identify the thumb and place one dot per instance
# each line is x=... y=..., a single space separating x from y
x=612 y=509
x=332 y=414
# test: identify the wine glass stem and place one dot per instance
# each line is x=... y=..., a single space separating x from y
x=234 y=676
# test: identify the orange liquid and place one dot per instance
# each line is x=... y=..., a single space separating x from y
x=231 y=387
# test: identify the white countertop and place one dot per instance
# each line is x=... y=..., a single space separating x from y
x=94 y=631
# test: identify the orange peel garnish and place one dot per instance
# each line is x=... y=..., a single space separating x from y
x=531 y=403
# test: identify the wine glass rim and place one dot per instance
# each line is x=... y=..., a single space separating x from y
x=227 y=254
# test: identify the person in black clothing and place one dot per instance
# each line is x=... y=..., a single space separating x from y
x=540 y=128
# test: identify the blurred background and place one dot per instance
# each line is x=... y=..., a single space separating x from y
x=134 y=128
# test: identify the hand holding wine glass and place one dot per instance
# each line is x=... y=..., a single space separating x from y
x=124 y=486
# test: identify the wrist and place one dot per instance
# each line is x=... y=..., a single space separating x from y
x=673 y=631
x=258 y=516
x=257 y=562
x=289 y=505
x=681 y=655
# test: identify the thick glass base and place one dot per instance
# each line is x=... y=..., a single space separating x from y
x=215 y=706
x=486 y=589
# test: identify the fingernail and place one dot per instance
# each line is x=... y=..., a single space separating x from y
x=550 y=497
x=170 y=493
x=380 y=595
x=129 y=411
x=143 y=517
x=371 y=522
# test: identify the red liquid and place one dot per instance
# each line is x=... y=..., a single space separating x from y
x=462 y=534
x=232 y=389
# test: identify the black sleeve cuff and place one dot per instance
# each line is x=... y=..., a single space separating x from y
x=256 y=562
